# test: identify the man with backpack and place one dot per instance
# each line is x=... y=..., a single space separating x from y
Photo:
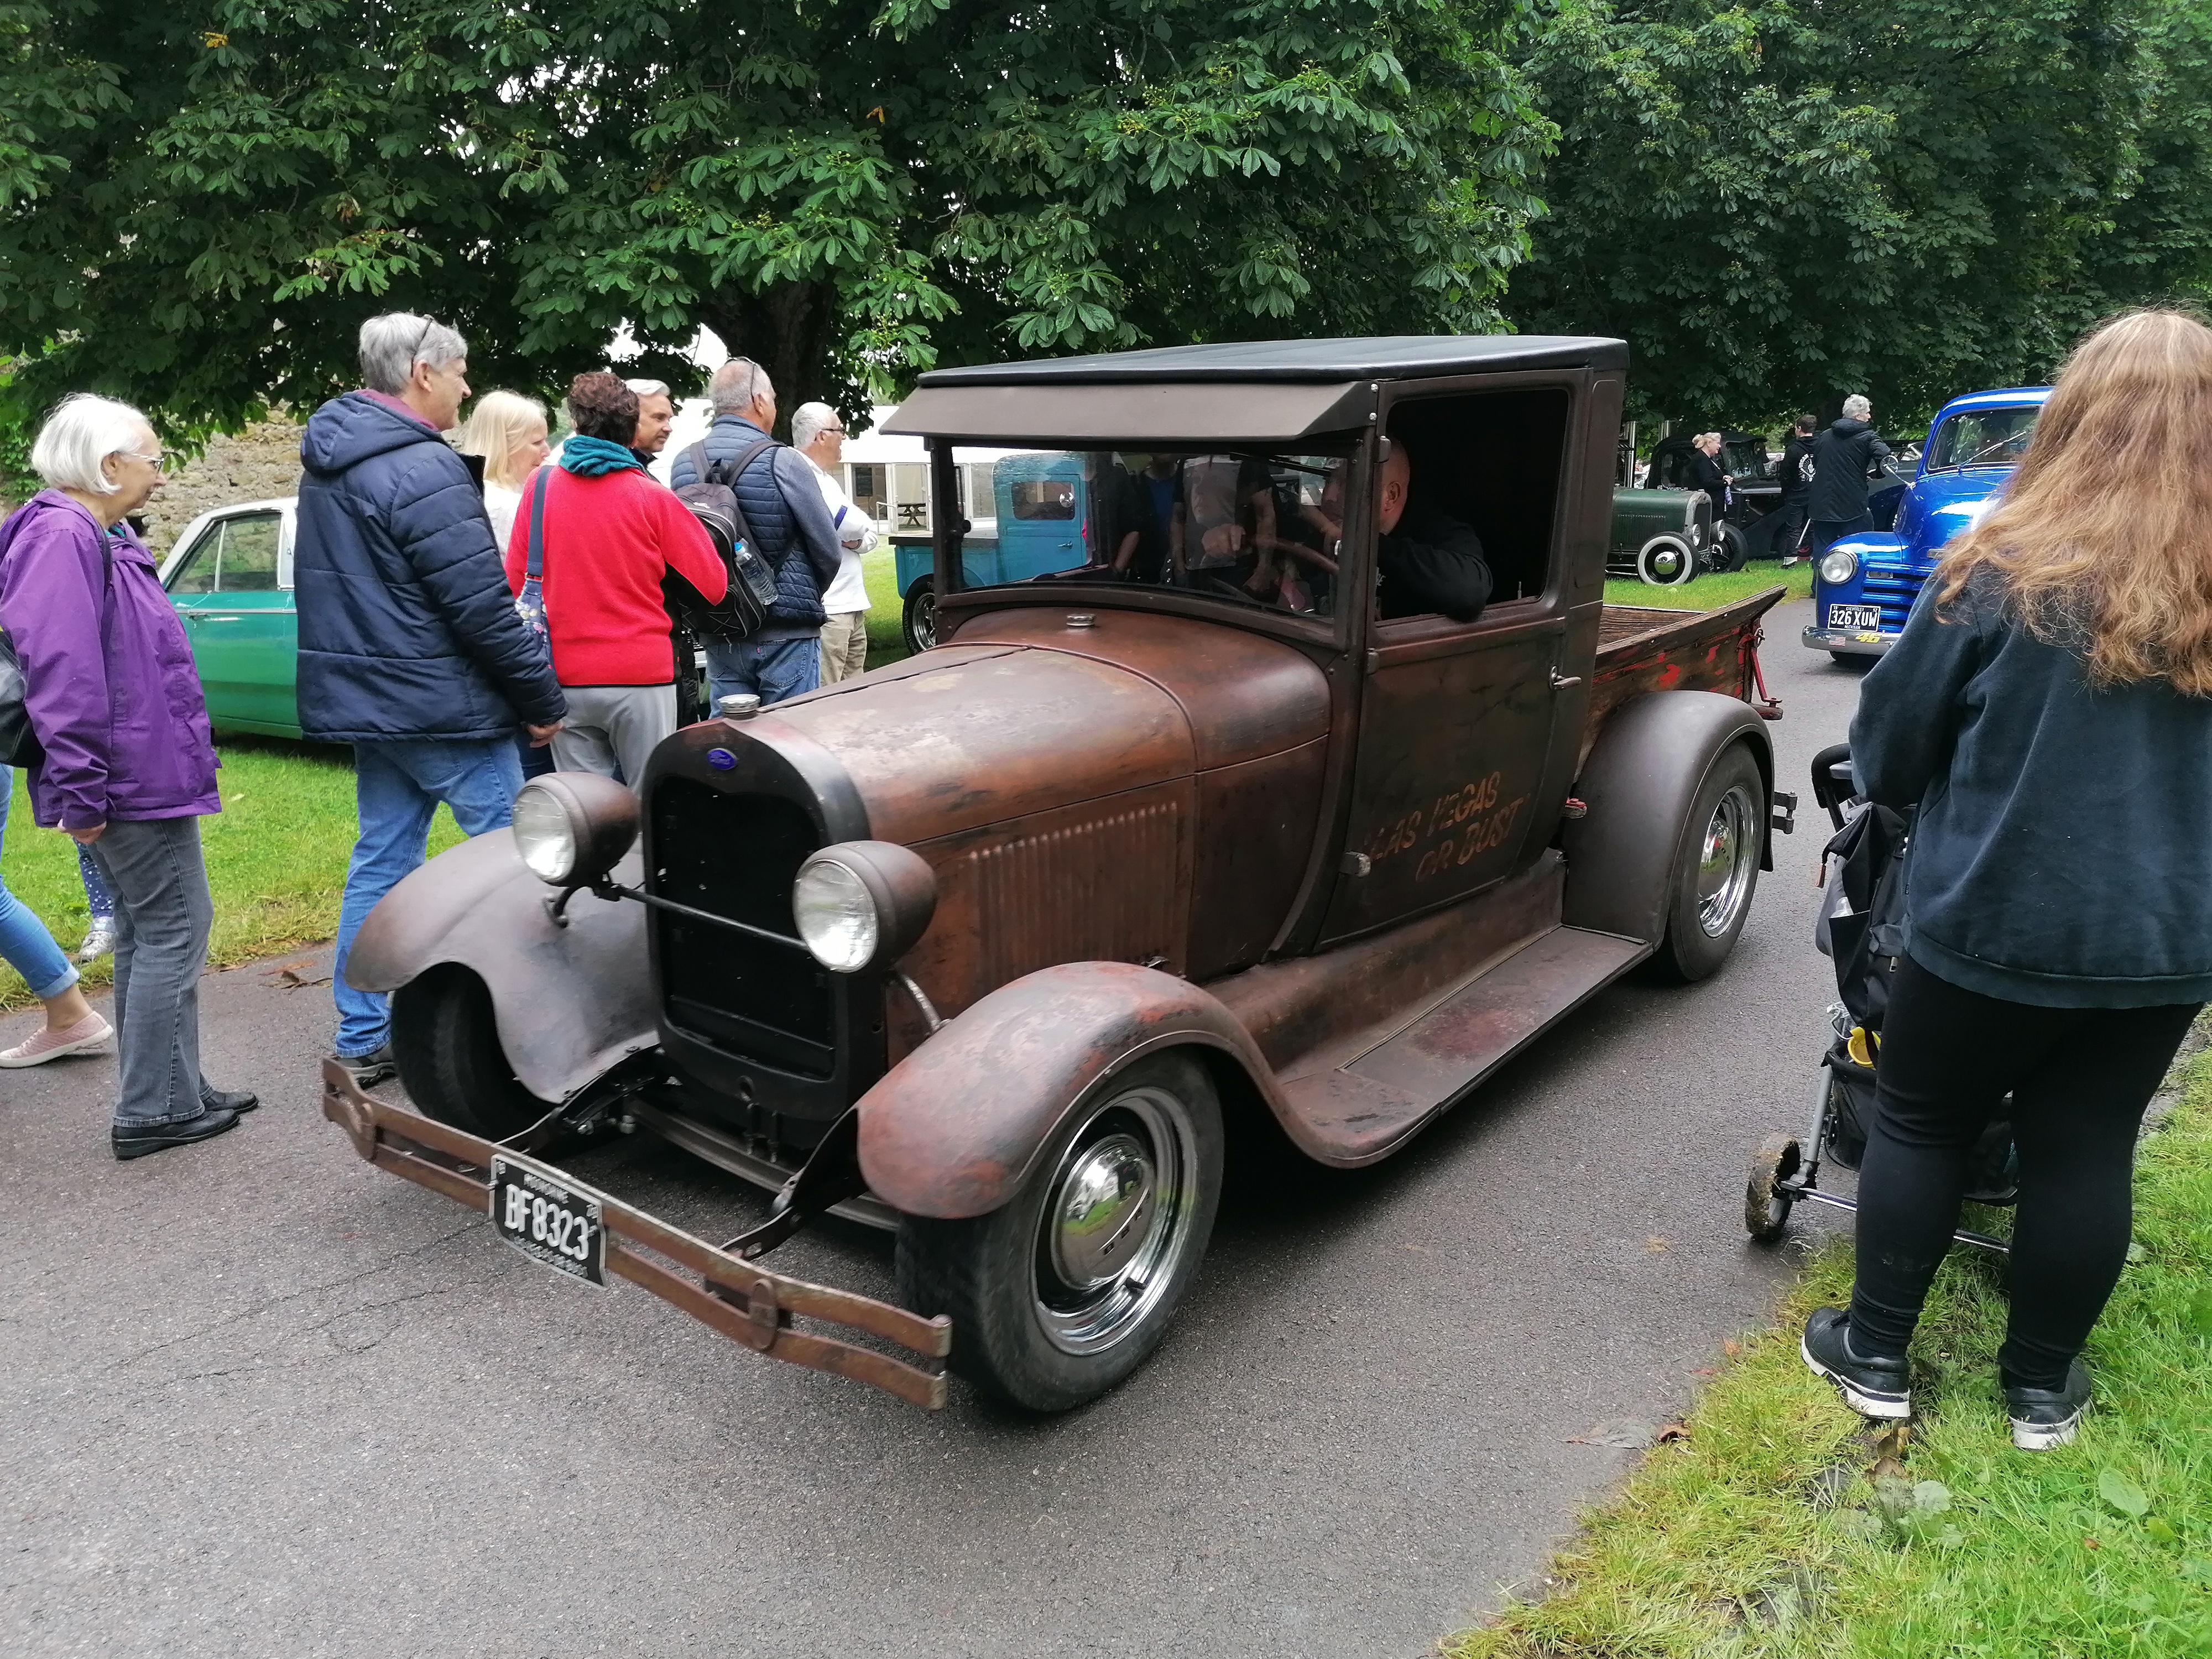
x=777 y=653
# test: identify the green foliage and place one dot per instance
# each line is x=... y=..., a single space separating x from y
x=1779 y=201
x=198 y=208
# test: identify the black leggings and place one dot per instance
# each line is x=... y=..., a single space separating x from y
x=2080 y=1078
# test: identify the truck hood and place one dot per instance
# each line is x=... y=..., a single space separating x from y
x=1941 y=504
x=1025 y=712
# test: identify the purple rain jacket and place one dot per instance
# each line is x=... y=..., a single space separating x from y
x=117 y=706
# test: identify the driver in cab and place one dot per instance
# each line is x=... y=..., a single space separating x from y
x=1426 y=562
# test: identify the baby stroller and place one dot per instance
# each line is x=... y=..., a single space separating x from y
x=1861 y=929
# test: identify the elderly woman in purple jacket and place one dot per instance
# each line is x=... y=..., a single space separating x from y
x=130 y=765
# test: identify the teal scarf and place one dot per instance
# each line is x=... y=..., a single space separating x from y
x=594 y=458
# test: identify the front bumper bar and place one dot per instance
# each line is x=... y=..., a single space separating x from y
x=745 y=1301
x=1849 y=642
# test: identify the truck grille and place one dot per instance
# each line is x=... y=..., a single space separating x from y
x=1894 y=587
x=737 y=856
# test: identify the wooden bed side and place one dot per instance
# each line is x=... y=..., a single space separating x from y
x=1641 y=648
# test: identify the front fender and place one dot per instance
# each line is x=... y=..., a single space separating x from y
x=953 y=1129
x=1639 y=783
x=569 y=1001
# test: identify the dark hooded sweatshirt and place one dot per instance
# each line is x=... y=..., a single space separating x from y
x=1841 y=457
x=407 y=627
x=2061 y=857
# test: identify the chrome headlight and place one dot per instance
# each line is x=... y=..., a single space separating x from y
x=863 y=904
x=572 y=828
x=1838 y=567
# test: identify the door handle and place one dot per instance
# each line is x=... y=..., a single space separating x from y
x=1562 y=682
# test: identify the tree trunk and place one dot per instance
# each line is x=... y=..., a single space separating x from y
x=787 y=331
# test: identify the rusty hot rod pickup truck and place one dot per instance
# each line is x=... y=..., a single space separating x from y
x=1010 y=946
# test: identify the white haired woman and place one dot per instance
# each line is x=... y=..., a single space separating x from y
x=128 y=764
x=510 y=431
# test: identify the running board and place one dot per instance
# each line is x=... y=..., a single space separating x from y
x=1369 y=1105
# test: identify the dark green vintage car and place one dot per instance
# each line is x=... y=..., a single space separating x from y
x=1660 y=537
x=230 y=577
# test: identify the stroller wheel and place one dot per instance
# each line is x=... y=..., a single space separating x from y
x=1766 y=1211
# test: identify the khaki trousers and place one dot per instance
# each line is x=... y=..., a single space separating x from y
x=844 y=646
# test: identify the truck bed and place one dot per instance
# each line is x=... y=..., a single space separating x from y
x=1643 y=648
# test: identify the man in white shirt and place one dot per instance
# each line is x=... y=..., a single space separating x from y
x=818 y=434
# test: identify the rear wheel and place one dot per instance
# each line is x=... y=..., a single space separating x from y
x=1061 y=1294
x=1766 y=1211
x=1716 y=869
x=446 y=1043
x=919 y=620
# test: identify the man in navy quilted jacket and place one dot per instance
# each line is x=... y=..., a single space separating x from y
x=791 y=532
x=409 y=647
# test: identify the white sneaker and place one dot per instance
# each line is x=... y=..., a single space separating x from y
x=100 y=941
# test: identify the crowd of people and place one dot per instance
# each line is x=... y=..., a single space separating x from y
x=472 y=606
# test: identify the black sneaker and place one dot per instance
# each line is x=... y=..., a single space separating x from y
x=1872 y=1387
x=142 y=1138
x=2044 y=1418
x=368 y=1069
x=227 y=1100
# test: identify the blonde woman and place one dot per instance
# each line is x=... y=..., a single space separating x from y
x=510 y=431
x=2048 y=710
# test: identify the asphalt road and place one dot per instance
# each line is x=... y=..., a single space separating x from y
x=259 y=1398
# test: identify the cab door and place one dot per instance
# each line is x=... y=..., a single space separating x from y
x=236 y=599
x=1457 y=780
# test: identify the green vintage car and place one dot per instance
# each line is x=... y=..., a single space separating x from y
x=1662 y=536
x=230 y=576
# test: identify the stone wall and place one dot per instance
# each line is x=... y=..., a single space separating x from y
x=260 y=464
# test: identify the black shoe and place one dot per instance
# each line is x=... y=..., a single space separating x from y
x=1872 y=1387
x=368 y=1069
x=2044 y=1418
x=227 y=1100
x=160 y=1137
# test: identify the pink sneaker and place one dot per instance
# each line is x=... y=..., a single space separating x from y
x=46 y=1043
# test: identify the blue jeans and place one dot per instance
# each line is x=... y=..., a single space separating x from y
x=773 y=669
x=398 y=784
x=24 y=941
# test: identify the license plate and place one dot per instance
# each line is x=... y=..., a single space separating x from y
x=1853 y=616
x=547 y=1220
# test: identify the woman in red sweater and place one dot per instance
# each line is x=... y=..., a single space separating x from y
x=611 y=535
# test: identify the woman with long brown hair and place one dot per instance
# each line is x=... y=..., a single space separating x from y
x=2048 y=710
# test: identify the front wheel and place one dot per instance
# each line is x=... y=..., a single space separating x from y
x=1731 y=548
x=1666 y=561
x=1716 y=869
x=1857 y=661
x=1057 y=1297
x=919 y=620
x=446 y=1044
x=1765 y=1210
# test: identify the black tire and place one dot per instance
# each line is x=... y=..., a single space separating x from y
x=1666 y=561
x=1857 y=661
x=1766 y=1212
x=918 y=621
x=1716 y=869
x=1731 y=548
x=446 y=1045
x=1024 y=1332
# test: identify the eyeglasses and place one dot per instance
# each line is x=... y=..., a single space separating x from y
x=159 y=462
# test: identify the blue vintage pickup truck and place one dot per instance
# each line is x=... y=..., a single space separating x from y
x=1864 y=586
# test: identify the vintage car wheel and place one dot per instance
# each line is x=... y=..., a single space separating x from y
x=1731 y=548
x=1766 y=1212
x=1715 y=870
x=1666 y=561
x=1061 y=1294
x=450 y=1062
x=919 y=620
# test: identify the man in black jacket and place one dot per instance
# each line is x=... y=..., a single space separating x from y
x=1795 y=473
x=1843 y=457
x=1427 y=560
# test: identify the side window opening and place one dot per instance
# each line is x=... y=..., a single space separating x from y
x=1491 y=460
x=197 y=575
x=249 y=555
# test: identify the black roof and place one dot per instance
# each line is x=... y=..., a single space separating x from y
x=1402 y=356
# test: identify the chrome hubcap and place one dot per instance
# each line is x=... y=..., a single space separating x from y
x=1724 y=862
x=1116 y=1222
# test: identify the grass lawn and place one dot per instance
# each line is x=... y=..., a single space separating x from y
x=886 y=643
x=275 y=856
x=1711 y=591
x=1776 y=1527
